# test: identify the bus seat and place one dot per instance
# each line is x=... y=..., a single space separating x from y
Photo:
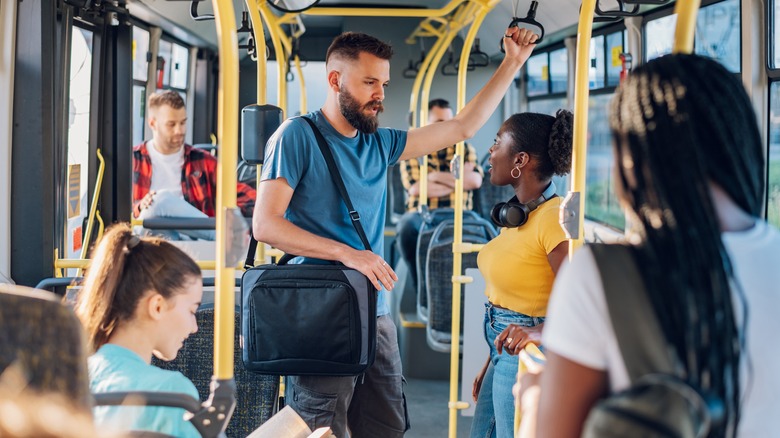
x=45 y=339
x=256 y=395
x=396 y=194
x=439 y=277
x=431 y=219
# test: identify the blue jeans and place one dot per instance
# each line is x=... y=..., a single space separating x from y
x=166 y=204
x=494 y=416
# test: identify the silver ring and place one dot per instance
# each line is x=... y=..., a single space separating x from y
x=507 y=36
x=384 y=263
x=508 y=340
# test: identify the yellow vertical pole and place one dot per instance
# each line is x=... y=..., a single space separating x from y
x=686 y=25
x=426 y=92
x=227 y=129
x=93 y=209
x=262 y=92
x=281 y=58
x=413 y=102
x=458 y=279
x=450 y=33
x=581 y=93
x=302 y=82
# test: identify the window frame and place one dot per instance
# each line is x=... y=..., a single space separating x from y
x=549 y=94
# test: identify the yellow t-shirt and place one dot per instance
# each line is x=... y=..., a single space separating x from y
x=515 y=265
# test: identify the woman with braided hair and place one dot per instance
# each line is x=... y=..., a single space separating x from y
x=139 y=299
x=690 y=169
x=528 y=150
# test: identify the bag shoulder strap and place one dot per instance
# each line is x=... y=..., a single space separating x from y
x=639 y=336
x=339 y=182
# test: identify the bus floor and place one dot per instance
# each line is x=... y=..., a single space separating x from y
x=428 y=414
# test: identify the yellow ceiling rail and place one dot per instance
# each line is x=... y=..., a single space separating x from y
x=204 y=265
x=384 y=12
x=457 y=256
x=580 y=146
x=426 y=28
x=227 y=132
x=261 y=49
x=686 y=25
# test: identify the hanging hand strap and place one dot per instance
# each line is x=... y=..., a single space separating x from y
x=336 y=176
x=641 y=341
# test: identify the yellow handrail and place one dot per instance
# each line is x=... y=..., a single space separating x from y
x=440 y=35
x=385 y=12
x=457 y=256
x=686 y=25
x=262 y=92
x=205 y=265
x=461 y=18
x=101 y=225
x=280 y=41
x=581 y=93
x=93 y=208
x=302 y=82
x=227 y=132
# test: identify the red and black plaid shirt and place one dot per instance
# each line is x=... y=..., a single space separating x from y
x=198 y=181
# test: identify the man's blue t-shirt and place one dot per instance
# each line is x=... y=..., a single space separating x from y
x=316 y=206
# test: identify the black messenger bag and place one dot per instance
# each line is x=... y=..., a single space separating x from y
x=306 y=319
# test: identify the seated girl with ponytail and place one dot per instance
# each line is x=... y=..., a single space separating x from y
x=139 y=298
x=519 y=265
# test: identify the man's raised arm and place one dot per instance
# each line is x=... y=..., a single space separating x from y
x=518 y=44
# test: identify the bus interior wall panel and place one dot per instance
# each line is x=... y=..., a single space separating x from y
x=116 y=136
x=204 y=89
x=32 y=181
x=7 y=45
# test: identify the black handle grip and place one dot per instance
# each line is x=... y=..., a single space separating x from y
x=530 y=18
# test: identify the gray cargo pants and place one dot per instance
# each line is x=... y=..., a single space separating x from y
x=371 y=405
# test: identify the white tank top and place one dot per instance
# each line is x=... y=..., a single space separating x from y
x=166 y=170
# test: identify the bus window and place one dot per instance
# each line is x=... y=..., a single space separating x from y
x=80 y=86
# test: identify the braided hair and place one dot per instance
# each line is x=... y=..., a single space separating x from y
x=546 y=138
x=681 y=122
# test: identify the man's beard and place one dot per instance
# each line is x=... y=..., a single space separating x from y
x=352 y=110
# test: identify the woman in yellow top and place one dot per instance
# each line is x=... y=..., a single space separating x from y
x=520 y=264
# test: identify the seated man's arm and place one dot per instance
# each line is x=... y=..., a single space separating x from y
x=270 y=226
x=435 y=190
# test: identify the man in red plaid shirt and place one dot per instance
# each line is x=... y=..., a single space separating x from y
x=171 y=178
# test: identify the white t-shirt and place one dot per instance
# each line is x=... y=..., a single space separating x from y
x=578 y=326
x=166 y=170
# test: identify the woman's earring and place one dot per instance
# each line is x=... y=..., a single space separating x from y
x=519 y=172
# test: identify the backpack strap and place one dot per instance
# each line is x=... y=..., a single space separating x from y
x=639 y=336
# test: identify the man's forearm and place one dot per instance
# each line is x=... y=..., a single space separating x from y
x=285 y=236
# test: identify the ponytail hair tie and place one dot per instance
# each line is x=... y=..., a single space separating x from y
x=133 y=242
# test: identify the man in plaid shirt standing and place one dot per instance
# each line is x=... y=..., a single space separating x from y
x=173 y=179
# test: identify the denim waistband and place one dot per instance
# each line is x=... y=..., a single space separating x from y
x=494 y=312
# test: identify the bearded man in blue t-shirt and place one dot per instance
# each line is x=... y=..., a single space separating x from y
x=299 y=211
